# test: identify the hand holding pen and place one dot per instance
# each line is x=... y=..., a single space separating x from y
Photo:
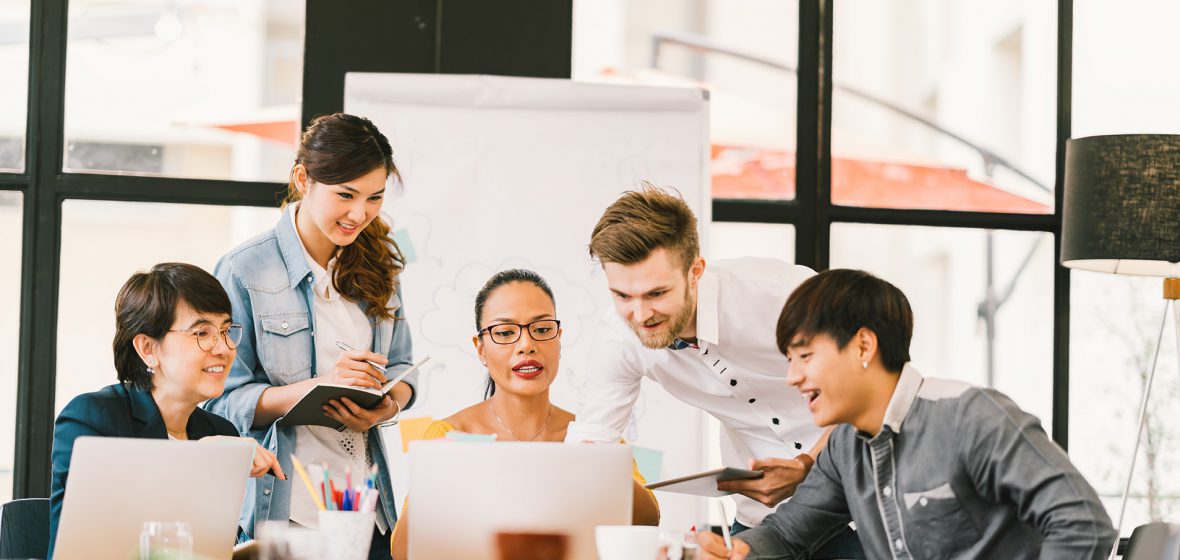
x=714 y=546
x=357 y=368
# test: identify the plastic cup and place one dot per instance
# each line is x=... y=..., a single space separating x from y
x=346 y=535
x=165 y=540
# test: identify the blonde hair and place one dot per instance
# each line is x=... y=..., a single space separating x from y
x=642 y=221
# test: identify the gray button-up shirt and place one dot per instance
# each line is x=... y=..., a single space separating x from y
x=969 y=476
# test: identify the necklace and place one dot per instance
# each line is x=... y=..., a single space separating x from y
x=513 y=434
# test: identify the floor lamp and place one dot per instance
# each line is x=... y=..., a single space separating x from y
x=1122 y=216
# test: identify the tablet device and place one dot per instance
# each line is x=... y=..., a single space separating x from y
x=705 y=483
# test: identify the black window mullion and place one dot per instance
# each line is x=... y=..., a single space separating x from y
x=40 y=249
x=807 y=141
x=169 y=190
x=756 y=211
x=823 y=197
x=1061 y=277
x=944 y=218
x=13 y=181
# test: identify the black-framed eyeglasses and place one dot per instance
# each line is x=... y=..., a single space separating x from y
x=509 y=333
x=208 y=336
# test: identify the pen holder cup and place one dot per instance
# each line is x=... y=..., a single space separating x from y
x=346 y=535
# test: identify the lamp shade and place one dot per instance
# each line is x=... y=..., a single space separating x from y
x=1122 y=204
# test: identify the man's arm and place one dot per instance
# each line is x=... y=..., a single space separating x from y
x=780 y=476
x=1011 y=459
x=610 y=389
x=814 y=515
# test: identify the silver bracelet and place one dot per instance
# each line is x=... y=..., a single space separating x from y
x=396 y=415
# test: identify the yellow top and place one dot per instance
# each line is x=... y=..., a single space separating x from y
x=439 y=428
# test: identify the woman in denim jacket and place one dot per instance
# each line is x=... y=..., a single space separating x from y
x=326 y=273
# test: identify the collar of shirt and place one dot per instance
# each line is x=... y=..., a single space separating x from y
x=708 y=322
x=708 y=314
x=291 y=247
x=323 y=276
x=903 y=397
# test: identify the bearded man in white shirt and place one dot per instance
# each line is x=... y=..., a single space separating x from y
x=706 y=335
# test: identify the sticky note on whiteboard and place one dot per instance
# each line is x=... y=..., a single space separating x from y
x=650 y=461
x=402 y=238
x=412 y=429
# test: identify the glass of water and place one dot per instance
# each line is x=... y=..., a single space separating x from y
x=166 y=540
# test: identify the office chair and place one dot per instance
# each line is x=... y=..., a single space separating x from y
x=24 y=528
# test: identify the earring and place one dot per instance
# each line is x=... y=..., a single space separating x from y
x=865 y=364
x=151 y=366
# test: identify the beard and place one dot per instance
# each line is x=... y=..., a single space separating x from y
x=672 y=326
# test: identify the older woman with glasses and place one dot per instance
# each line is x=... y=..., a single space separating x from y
x=519 y=341
x=174 y=345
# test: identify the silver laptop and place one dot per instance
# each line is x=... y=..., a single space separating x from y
x=116 y=484
x=461 y=494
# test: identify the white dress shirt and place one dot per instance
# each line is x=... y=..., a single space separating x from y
x=336 y=319
x=737 y=374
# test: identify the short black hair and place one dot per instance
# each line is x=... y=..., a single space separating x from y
x=841 y=301
x=499 y=279
x=147 y=304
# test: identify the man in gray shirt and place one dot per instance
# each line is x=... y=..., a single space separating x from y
x=927 y=468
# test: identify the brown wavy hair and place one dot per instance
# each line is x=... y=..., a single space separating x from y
x=336 y=149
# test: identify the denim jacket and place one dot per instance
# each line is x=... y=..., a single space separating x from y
x=269 y=283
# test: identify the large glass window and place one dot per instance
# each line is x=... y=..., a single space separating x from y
x=11 y=218
x=1114 y=325
x=103 y=243
x=14 y=66
x=743 y=51
x=982 y=302
x=1114 y=320
x=184 y=89
x=944 y=105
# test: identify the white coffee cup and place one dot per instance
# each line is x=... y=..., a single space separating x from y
x=627 y=542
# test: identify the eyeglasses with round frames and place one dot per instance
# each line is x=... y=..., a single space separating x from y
x=207 y=336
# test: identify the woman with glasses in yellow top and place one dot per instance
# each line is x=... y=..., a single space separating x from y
x=174 y=344
x=519 y=340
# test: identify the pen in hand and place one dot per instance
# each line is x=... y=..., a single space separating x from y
x=344 y=346
x=725 y=527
